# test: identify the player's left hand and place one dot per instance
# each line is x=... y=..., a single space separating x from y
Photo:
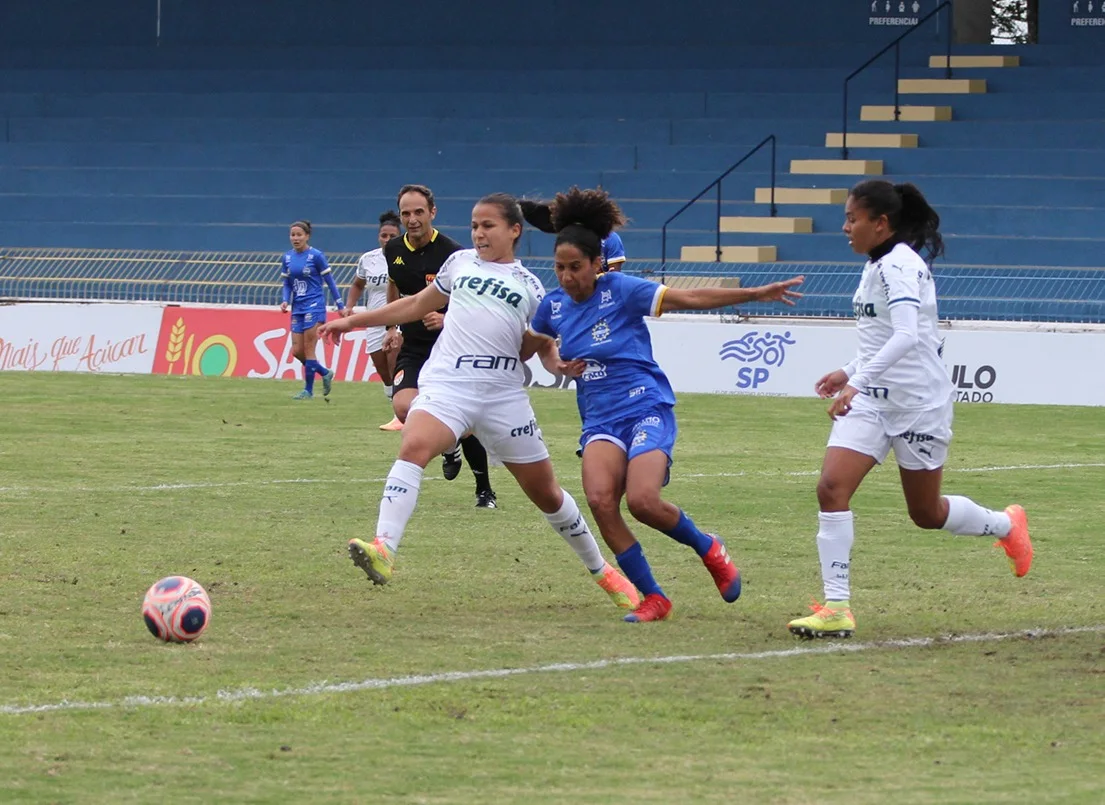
x=842 y=403
x=434 y=321
x=780 y=291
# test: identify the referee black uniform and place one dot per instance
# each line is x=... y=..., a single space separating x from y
x=411 y=270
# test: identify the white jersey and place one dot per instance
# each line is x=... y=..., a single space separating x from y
x=373 y=269
x=919 y=380
x=490 y=307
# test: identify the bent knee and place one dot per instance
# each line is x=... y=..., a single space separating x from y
x=646 y=507
x=833 y=495
x=602 y=502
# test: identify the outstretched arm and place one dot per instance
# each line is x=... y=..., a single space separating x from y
x=711 y=298
x=409 y=308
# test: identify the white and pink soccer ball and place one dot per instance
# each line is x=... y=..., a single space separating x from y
x=176 y=609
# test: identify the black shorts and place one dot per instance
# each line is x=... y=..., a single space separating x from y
x=408 y=364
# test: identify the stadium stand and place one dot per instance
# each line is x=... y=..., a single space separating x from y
x=173 y=167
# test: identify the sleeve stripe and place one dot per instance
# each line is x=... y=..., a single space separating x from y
x=440 y=287
x=904 y=299
x=619 y=259
x=658 y=301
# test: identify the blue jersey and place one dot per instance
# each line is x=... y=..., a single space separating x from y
x=608 y=330
x=613 y=252
x=303 y=274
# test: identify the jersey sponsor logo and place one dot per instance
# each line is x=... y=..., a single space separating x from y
x=529 y=429
x=593 y=371
x=861 y=309
x=876 y=392
x=768 y=349
x=489 y=286
x=600 y=333
x=649 y=422
x=300 y=287
x=637 y=391
x=504 y=363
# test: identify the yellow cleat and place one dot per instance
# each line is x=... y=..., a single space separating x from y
x=834 y=619
x=375 y=558
x=618 y=587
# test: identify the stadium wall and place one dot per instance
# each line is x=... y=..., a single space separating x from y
x=761 y=357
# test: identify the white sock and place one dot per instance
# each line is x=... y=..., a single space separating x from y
x=397 y=504
x=967 y=518
x=834 y=545
x=388 y=391
x=569 y=523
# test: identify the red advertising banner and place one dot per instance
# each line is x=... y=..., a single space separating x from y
x=235 y=342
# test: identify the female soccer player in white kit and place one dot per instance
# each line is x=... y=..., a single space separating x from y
x=473 y=382
x=895 y=393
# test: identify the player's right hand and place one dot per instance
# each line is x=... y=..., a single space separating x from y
x=393 y=340
x=283 y=307
x=830 y=384
x=330 y=331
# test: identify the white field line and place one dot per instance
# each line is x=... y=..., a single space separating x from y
x=26 y=490
x=320 y=688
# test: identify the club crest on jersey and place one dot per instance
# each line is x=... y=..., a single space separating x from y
x=600 y=332
x=492 y=287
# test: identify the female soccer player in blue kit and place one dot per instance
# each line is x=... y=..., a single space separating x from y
x=625 y=400
x=303 y=269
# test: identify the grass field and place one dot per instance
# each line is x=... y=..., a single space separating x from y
x=109 y=483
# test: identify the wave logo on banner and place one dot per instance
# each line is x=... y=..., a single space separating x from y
x=214 y=355
x=769 y=349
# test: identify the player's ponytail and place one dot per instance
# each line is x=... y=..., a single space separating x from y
x=912 y=220
x=918 y=222
x=583 y=218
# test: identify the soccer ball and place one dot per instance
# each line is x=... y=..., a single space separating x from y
x=176 y=609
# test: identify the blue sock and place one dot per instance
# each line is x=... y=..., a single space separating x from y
x=687 y=533
x=633 y=563
x=309 y=376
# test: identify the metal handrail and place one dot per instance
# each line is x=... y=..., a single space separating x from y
x=717 y=182
x=896 y=44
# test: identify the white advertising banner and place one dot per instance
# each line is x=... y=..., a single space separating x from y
x=79 y=337
x=781 y=357
x=784 y=358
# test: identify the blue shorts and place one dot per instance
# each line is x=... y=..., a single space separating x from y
x=637 y=435
x=302 y=322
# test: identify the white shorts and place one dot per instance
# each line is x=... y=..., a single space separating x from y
x=504 y=422
x=374 y=339
x=920 y=438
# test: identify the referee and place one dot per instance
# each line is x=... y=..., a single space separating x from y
x=413 y=261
